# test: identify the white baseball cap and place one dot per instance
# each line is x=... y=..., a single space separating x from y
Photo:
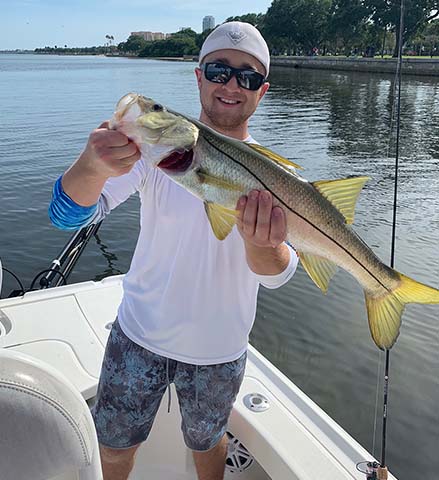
x=238 y=36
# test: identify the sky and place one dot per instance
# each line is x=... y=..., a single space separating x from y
x=29 y=24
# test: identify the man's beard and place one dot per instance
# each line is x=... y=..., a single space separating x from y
x=224 y=121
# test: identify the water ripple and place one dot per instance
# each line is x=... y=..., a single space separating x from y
x=333 y=124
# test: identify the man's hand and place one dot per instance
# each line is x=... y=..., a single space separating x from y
x=108 y=153
x=259 y=222
x=264 y=229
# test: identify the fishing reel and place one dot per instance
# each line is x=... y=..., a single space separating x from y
x=372 y=470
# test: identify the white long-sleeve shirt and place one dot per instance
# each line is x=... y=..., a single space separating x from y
x=187 y=295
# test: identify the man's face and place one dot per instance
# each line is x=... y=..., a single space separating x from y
x=228 y=106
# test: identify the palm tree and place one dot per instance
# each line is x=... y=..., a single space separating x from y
x=110 y=39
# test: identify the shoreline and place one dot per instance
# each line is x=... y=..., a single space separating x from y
x=410 y=65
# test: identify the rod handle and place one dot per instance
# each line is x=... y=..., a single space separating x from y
x=382 y=473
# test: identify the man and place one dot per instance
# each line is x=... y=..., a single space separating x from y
x=189 y=300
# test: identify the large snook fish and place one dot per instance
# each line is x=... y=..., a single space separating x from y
x=218 y=170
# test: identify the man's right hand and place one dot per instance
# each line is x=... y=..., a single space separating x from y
x=108 y=153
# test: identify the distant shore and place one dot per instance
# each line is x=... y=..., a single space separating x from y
x=186 y=58
x=423 y=66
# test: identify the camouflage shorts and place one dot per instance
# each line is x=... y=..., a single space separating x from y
x=133 y=381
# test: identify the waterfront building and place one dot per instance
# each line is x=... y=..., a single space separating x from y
x=208 y=23
x=150 y=36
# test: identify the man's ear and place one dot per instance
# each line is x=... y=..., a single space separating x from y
x=264 y=89
x=198 y=74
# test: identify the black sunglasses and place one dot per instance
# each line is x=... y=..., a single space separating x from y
x=221 y=73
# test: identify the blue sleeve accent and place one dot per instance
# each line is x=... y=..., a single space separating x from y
x=66 y=214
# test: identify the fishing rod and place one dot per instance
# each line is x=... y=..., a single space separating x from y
x=392 y=247
x=375 y=470
x=62 y=266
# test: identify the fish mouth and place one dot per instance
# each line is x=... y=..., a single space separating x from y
x=179 y=161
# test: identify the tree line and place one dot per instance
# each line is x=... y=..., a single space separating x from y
x=184 y=42
x=345 y=26
x=65 y=50
x=311 y=27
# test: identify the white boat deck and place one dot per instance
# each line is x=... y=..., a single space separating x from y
x=67 y=327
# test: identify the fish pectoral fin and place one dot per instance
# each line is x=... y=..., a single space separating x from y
x=384 y=313
x=342 y=193
x=221 y=219
x=217 y=182
x=319 y=269
x=284 y=162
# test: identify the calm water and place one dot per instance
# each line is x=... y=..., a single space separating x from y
x=333 y=124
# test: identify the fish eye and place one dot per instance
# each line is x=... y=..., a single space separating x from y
x=157 y=107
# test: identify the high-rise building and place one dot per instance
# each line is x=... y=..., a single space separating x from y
x=208 y=23
x=150 y=36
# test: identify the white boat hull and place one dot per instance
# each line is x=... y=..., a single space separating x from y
x=293 y=438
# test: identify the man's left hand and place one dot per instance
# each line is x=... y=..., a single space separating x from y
x=259 y=223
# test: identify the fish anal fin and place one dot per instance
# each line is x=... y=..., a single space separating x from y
x=319 y=269
x=385 y=312
x=384 y=316
x=274 y=156
x=221 y=219
x=342 y=193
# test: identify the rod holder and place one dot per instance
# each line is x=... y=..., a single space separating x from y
x=382 y=473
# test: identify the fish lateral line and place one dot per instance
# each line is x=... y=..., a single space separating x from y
x=299 y=215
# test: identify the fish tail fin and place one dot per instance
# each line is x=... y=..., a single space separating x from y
x=385 y=312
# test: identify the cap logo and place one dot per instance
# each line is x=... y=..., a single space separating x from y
x=236 y=36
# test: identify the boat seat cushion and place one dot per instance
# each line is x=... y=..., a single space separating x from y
x=46 y=426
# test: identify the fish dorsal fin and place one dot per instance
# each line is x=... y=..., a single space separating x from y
x=342 y=193
x=284 y=162
x=221 y=219
x=319 y=269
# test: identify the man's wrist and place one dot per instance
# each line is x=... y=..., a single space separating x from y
x=83 y=184
x=253 y=248
x=267 y=260
x=85 y=168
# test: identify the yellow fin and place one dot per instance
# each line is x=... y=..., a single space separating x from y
x=217 y=181
x=385 y=312
x=221 y=219
x=319 y=269
x=274 y=156
x=342 y=193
